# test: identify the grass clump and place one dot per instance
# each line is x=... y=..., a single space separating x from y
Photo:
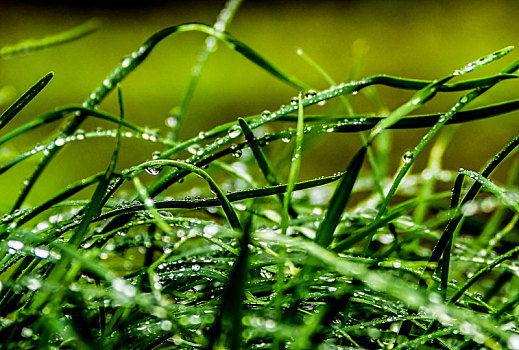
x=257 y=259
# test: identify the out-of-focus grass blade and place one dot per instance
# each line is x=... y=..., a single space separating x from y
x=295 y=164
x=339 y=199
x=224 y=18
x=228 y=326
x=28 y=46
x=21 y=102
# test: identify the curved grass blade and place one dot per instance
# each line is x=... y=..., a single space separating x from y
x=294 y=166
x=28 y=46
x=429 y=91
x=133 y=61
x=339 y=199
x=334 y=91
x=62 y=113
x=415 y=84
x=226 y=205
x=23 y=100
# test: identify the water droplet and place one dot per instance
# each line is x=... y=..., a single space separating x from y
x=427 y=174
x=310 y=94
x=107 y=83
x=416 y=101
x=321 y=103
x=408 y=156
x=193 y=149
x=33 y=283
x=236 y=151
x=464 y=99
x=59 y=141
x=513 y=341
x=17 y=245
x=266 y=113
x=126 y=62
x=234 y=131
x=26 y=332
x=171 y=122
x=210 y=230
x=155 y=155
x=80 y=134
x=153 y=170
x=195 y=267
x=201 y=135
x=294 y=101
x=41 y=253
x=286 y=139
x=126 y=289
x=166 y=325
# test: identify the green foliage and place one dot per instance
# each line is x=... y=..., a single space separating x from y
x=257 y=259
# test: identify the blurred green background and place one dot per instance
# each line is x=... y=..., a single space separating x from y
x=424 y=40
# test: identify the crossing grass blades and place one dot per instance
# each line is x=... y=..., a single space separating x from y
x=258 y=259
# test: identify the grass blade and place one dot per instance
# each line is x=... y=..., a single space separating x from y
x=61 y=113
x=27 y=46
x=222 y=21
x=23 y=100
x=92 y=210
x=339 y=199
x=263 y=162
x=224 y=201
x=295 y=165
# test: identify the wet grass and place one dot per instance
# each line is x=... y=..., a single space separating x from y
x=252 y=257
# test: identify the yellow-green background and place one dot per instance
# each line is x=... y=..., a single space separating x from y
x=424 y=40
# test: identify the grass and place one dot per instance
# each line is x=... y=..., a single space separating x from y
x=257 y=259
